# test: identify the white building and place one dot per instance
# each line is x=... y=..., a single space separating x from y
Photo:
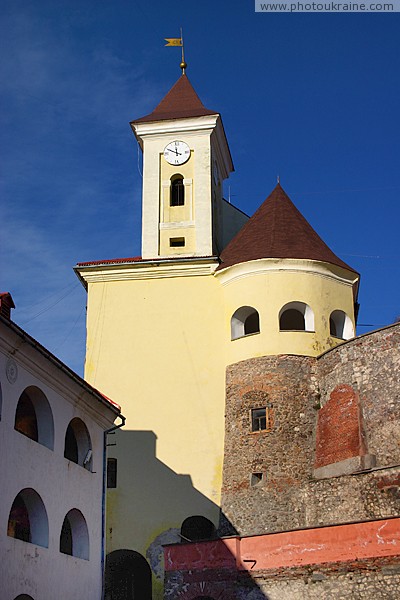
x=52 y=473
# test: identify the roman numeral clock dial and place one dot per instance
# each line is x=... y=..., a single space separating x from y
x=177 y=153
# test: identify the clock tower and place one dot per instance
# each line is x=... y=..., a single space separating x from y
x=185 y=160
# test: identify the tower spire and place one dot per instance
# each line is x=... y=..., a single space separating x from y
x=183 y=64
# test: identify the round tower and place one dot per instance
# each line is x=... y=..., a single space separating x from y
x=285 y=291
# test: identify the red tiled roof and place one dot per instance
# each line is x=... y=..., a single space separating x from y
x=180 y=102
x=277 y=230
x=136 y=259
x=110 y=261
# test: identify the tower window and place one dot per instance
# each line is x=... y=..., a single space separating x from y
x=111 y=472
x=256 y=479
x=340 y=325
x=178 y=242
x=245 y=321
x=296 y=316
x=177 y=191
x=259 y=419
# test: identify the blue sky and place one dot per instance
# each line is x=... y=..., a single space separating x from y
x=311 y=97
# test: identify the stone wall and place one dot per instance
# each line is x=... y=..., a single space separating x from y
x=282 y=454
x=371 y=365
x=331 y=451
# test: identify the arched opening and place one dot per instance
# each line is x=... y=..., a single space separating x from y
x=78 y=447
x=127 y=576
x=177 y=191
x=23 y=597
x=244 y=321
x=296 y=316
x=340 y=325
x=198 y=528
x=74 y=537
x=33 y=417
x=27 y=520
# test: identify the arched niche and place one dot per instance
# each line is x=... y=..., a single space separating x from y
x=244 y=321
x=296 y=316
x=78 y=445
x=74 y=536
x=28 y=520
x=34 y=417
x=340 y=325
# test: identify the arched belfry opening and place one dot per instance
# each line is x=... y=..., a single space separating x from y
x=127 y=576
x=177 y=191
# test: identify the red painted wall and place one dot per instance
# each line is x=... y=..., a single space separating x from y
x=339 y=543
x=339 y=428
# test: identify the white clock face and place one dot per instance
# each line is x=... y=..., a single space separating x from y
x=177 y=153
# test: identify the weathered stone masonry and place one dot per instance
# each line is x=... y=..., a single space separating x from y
x=333 y=412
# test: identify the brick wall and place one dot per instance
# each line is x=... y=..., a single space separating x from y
x=339 y=427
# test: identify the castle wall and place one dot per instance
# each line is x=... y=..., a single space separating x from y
x=331 y=453
x=358 y=560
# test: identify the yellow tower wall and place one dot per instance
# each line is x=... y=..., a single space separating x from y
x=154 y=344
x=268 y=285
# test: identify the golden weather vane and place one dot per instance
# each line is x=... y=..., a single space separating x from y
x=178 y=42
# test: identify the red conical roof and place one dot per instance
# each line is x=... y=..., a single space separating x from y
x=180 y=102
x=277 y=230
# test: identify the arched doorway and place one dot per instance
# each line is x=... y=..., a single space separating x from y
x=127 y=576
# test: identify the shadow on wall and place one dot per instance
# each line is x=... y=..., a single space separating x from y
x=148 y=506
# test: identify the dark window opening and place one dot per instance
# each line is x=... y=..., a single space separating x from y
x=244 y=321
x=66 y=537
x=18 y=521
x=111 y=472
x=292 y=320
x=71 y=445
x=25 y=418
x=252 y=323
x=258 y=419
x=74 y=536
x=197 y=528
x=332 y=327
x=256 y=479
x=176 y=242
x=177 y=192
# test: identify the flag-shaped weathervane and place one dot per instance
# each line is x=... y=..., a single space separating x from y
x=178 y=42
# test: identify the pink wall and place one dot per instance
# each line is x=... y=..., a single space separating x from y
x=339 y=543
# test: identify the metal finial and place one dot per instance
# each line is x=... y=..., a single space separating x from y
x=183 y=64
x=278 y=179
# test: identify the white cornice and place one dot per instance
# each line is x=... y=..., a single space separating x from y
x=175 y=126
x=288 y=265
x=155 y=270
